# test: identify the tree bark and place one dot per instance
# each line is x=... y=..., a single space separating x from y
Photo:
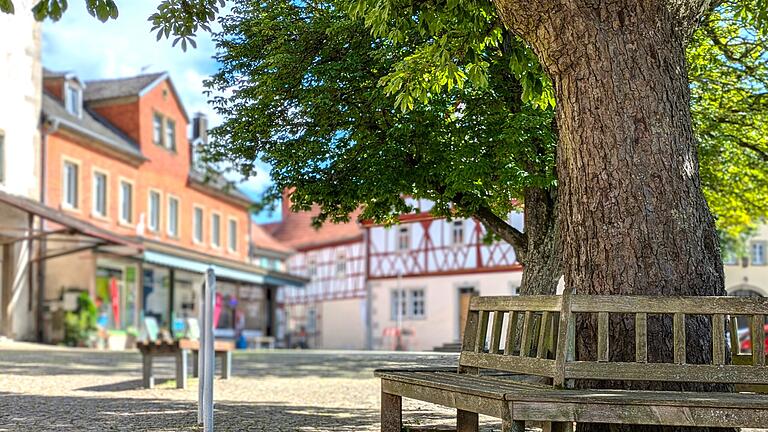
x=633 y=219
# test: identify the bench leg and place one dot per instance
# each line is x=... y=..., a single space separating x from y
x=558 y=427
x=467 y=421
x=181 y=369
x=512 y=426
x=195 y=364
x=391 y=413
x=226 y=365
x=147 y=378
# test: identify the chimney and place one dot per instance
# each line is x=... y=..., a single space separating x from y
x=200 y=127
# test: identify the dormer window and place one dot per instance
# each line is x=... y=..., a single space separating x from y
x=73 y=98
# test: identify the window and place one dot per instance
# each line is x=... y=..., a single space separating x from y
x=170 y=134
x=457 y=232
x=311 y=266
x=416 y=303
x=341 y=265
x=154 y=211
x=232 y=235
x=403 y=239
x=70 y=185
x=2 y=157
x=73 y=99
x=197 y=223
x=758 y=253
x=157 y=128
x=99 y=194
x=173 y=216
x=264 y=262
x=126 y=202
x=399 y=305
x=514 y=288
x=216 y=230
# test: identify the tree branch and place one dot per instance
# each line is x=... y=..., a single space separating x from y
x=510 y=234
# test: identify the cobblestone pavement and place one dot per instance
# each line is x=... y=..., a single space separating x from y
x=45 y=388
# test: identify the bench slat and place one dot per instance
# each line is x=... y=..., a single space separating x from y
x=703 y=305
x=718 y=339
x=541 y=348
x=519 y=364
x=527 y=334
x=678 y=325
x=666 y=372
x=498 y=321
x=757 y=336
x=641 y=337
x=516 y=303
x=602 y=337
x=482 y=332
x=510 y=345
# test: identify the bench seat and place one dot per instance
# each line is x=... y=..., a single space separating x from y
x=669 y=408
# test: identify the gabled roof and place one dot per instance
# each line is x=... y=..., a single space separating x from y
x=91 y=125
x=296 y=231
x=120 y=87
x=138 y=85
x=261 y=239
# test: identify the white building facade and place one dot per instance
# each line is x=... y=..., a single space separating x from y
x=20 y=90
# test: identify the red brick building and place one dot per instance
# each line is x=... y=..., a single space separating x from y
x=116 y=154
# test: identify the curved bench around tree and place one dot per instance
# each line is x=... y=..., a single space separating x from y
x=517 y=363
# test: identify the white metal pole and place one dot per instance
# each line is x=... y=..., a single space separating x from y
x=210 y=295
x=201 y=343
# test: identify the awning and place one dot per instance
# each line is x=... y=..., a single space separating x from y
x=78 y=233
x=200 y=267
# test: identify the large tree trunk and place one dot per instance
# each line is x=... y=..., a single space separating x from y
x=542 y=266
x=633 y=219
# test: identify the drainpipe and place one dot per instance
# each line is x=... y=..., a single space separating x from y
x=368 y=290
x=47 y=127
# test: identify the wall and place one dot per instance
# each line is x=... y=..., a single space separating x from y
x=20 y=102
x=749 y=277
x=342 y=324
x=441 y=322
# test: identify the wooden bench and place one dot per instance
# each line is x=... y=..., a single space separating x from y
x=180 y=350
x=512 y=344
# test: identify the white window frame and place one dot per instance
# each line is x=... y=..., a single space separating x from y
x=132 y=184
x=215 y=233
x=403 y=231
x=198 y=224
x=160 y=139
x=169 y=198
x=764 y=246
x=229 y=234
x=412 y=315
x=94 y=196
x=398 y=304
x=457 y=227
x=341 y=264
x=78 y=105
x=159 y=222
x=311 y=265
x=170 y=144
x=65 y=183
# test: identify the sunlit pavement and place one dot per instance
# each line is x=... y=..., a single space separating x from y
x=44 y=388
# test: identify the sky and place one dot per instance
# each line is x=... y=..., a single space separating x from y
x=124 y=47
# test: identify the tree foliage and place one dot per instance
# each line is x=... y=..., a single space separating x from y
x=300 y=87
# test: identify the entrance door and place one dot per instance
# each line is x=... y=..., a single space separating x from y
x=465 y=293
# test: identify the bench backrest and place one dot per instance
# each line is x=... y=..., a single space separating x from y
x=535 y=335
x=718 y=311
x=514 y=334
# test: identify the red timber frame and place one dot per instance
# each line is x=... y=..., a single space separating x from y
x=437 y=256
